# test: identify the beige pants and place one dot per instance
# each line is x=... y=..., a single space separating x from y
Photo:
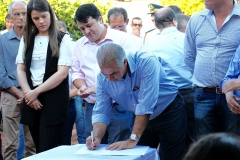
x=11 y=114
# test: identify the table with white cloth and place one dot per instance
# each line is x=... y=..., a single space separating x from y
x=67 y=153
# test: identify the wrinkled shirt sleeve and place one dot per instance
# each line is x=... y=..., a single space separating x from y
x=149 y=86
x=103 y=106
x=189 y=46
x=233 y=69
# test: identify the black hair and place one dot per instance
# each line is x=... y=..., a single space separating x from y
x=85 y=11
x=164 y=19
x=138 y=18
x=219 y=146
x=117 y=12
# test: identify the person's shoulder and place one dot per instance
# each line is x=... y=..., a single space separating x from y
x=140 y=55
x=117 y=33
x=148 y=31
x=3 y=31
x=4 y=36
x=198 y=15
x=82 y=40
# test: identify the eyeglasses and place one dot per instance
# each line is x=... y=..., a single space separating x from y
x=17 y=14
x=135 y=25
x=119 y=27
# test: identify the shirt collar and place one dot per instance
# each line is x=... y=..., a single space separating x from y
x=168 y=30
x=235 y=11
x=131 y=63
x=12 y=34
x=108 y=36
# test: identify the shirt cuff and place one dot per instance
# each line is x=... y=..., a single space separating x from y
x=100 y=118
x=142 y=110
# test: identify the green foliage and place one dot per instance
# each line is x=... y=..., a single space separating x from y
x=3 y=12
x=65 y=11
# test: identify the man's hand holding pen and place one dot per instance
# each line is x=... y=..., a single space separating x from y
x=93 y=142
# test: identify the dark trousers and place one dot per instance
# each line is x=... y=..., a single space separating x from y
x=65 y=138
x=168 y=129
x=188 y=97
x=44 y=137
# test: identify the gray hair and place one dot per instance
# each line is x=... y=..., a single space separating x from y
x=11 y=4
x=182 y=20
x=110 y=51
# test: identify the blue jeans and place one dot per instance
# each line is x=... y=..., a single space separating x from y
x=212 y=114
x=80 y=121
x=119 y=128
x=21 y=146
x=169 y=129
x=65 y=138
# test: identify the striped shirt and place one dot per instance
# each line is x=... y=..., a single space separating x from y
x=233 y=71
x=207 y=50
x=146 y=89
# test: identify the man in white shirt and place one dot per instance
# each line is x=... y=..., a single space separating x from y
x=118 y=20
x=136 y=27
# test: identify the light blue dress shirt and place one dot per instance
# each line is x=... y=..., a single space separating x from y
x=233 y=71
x=145 y=90
x=208 y=51
x=169 y=46
x=9 y=43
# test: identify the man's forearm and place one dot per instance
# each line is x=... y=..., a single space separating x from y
x=99 y=130
x=78 y=83
x=15 y=92
x=140 y=124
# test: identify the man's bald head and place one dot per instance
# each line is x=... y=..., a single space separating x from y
x=165 y=17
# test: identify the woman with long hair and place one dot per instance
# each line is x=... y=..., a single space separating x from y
x=44 y=58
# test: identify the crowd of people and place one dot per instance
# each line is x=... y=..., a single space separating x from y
x=165 y=88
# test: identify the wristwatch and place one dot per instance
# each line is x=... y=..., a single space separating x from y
x=134 y=137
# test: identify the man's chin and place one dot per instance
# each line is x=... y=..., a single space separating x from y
x=114 y=80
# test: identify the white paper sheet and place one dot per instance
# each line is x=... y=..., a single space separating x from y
x=137 y=150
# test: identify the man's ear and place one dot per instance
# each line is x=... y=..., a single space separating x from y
x=175 y=22
x=127 y=21
x=9 y=16
x=100 y=19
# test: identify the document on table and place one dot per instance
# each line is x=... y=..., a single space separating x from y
x=137 y=150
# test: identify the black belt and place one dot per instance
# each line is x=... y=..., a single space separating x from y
x=211 y=89
x=115 y=103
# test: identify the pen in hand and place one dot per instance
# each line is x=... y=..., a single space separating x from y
x=92 y=139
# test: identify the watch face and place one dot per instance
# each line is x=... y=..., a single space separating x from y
x=133 y=136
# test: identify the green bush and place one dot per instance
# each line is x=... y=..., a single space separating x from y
x=65 y=11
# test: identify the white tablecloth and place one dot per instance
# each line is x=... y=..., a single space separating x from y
x=67 y=153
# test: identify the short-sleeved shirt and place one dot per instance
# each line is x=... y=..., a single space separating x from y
x=39 y=56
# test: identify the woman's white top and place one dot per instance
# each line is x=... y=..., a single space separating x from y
x=39 y=56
